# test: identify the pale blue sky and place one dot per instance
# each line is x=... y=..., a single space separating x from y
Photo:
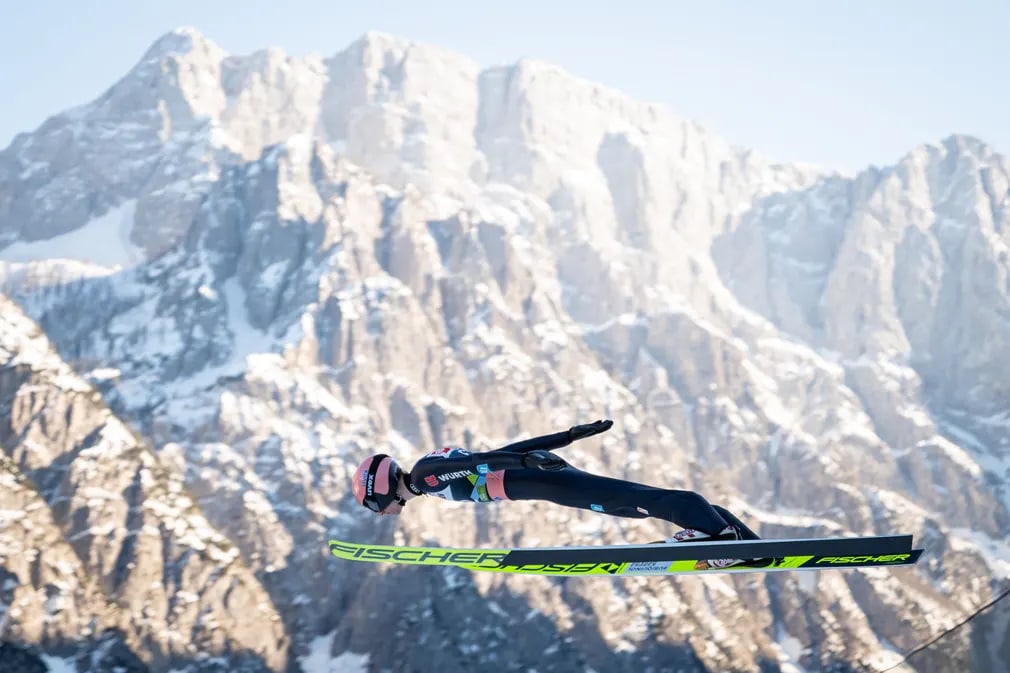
x=841 y=84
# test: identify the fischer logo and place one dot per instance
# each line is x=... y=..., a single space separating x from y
x=449 y=476
x=569 y=568
x=489 y=559
x=856 y=560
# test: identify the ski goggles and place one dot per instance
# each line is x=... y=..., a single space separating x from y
x=374 y=505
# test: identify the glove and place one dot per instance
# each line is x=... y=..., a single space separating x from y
x=543 y=460
x=588 y=429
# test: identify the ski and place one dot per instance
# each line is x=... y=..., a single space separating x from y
x=652 y=559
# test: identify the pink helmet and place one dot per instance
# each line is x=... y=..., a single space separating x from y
x=374 y=482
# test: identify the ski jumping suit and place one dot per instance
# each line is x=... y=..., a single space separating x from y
x=457 y=474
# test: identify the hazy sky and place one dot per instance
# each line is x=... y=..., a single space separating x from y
x=841 y=84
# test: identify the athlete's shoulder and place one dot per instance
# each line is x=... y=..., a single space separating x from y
x=436 y=460
x=446 y=452
x=437 y=468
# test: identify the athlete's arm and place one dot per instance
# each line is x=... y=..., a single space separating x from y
x=545 y=443
x=559 y=439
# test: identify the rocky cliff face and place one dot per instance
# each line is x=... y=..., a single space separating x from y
x=104 y=555
x=304 y=261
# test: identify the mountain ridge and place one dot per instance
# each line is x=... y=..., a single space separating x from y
x=306 y=294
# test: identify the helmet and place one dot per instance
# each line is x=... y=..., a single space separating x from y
x=374 y=482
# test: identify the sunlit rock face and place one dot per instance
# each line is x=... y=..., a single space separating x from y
x=231 y=278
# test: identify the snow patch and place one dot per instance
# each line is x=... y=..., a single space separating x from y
x=319 y=659
x=996 y=553
x=551 y=334
x=247 y=342
x=958 y=455
x=104 y=374
x=625 y=319
x=103 y=241
x=807 y=582
x=789 y=649
x=58 y=664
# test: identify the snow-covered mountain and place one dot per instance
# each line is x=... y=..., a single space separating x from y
x=268 y=267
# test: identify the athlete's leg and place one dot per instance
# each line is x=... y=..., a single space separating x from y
x=574 y=488
x=745 y=532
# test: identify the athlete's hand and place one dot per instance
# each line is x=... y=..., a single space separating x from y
x=588 y=429
x=543 y=460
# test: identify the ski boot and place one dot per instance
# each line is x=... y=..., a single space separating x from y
x=727 y=534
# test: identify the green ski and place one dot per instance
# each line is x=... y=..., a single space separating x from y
x=653 y=559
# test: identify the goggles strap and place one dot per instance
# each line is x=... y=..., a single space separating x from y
x=373 y=469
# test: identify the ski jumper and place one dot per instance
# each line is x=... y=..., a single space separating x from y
x=457 y=474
